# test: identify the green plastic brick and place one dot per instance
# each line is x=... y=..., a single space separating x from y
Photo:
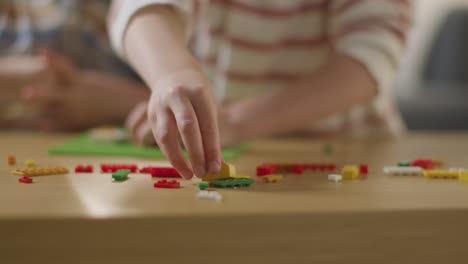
x=328 y=149
x=230 y=183
x=203 y=185
x=120 y=175
x=404 y=164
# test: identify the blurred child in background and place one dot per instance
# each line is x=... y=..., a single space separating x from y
x=57 y=70
x=323 y=67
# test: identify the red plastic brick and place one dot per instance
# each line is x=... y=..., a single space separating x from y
x=426 y=164
x=297 y=168
x=172 y=184
x=164 y=172
x=266 y=169
x=363 y=169
x=84 y=169
x=25 y=179
x=319 y=166
x=111 y=168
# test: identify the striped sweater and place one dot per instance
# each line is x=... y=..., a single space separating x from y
x=251 y=47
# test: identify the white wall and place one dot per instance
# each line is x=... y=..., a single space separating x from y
x=429 y=14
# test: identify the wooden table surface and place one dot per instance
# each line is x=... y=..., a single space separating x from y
x=303 y=219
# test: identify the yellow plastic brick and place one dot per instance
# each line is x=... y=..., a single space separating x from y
x=350 y=172
x=449 y=174
x=227 y=171
x=272 y=178
x=30 y=163
x=241 y=176
x=40 y=171
x=463 y=176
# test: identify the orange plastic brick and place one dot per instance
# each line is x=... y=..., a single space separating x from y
x=11 y=159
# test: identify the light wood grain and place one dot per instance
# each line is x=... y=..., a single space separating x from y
x=86 y=217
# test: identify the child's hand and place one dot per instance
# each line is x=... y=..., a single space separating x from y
x=80 y=99
x=183 y=104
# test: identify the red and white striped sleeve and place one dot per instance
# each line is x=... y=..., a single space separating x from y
x=373 y=32
x=121 y=12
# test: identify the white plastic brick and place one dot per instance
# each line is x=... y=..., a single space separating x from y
x=403 y=170
x=335 y=177
x=209 y=195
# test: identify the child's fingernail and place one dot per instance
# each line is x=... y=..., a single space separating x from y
x=214 y=167
x=200 y=171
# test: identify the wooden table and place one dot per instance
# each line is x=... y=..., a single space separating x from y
x=81 y=218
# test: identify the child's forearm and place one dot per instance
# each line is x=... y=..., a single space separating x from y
x=161 y=49
x=337 y=86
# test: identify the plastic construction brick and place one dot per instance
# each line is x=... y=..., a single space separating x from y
x=404 y=164
x=272 y=178
x=171 y=184
x=403 y=171
x=11 y=159
x=327 y=149
x=40 y=171
x=203 y=185
x=463 y=176
x=84 y=169
x=25 y=179
x=241 y=176
x=350 y=172
x=335 y=177
x=120 y=175
x=426 y=164
x=164 y=172
x=364 y=169
x=320 y=166
x=209 y=195
x=30 y=163
x=231 y=183
x=266 y=169
x=111 y=168
x=441 y=174
x=227 y=171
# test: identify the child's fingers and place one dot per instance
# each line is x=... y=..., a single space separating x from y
x=64 y=69
x=189 y=130
x=142 y=132
x=135 y=119
x=165 y=132
x=208 y=123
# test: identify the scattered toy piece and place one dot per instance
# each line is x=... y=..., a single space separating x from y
x=111 y=168
x=203 y=185
x=241 y=176
x=335 y=177
x=364 y=169
x=441 y=174
x=120 y=175
x=25 y=179
x=227 y=171
x=272 y=178
x=40 y=171
x=172 y=184
x=232 y=182
x=11 y=159
x=426 y=164
x=84 y=169
x=209 y=195
x=463 y=176
x=319 y=166
x=403 y=171
x=30 y=163
x=266 y=169
x=350 y=172
x=327 y=149
x=164 y=172
x=404 y=164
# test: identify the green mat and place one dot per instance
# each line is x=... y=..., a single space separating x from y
x=84 y=145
